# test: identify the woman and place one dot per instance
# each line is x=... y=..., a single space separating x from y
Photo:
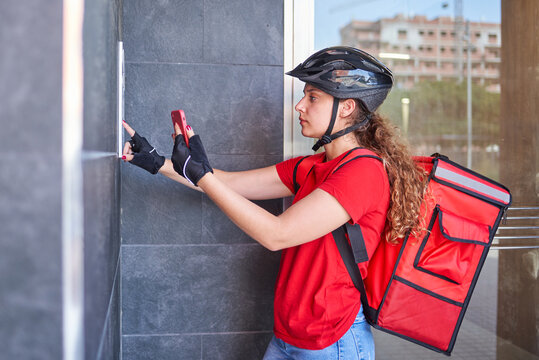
x=318 y=312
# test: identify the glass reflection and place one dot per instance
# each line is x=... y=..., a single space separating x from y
x=460 y=93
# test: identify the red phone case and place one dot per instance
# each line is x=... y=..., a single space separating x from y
x=178 y=117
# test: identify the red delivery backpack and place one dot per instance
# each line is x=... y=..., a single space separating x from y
x=420 y=288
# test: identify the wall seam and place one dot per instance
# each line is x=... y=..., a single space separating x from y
x=203 y=333
x=203 y=32
x=107 y=317
x=201 y=348
x=192 y=245
x=200 y=63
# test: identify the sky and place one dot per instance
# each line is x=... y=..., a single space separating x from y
x=331 y=15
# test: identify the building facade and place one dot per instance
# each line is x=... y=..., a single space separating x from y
x=418 y=49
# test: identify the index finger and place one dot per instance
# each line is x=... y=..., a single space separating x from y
x=177 y=129
x=128 y=128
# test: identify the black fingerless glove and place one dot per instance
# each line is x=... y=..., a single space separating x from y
x=145 y=156
x=190 y=162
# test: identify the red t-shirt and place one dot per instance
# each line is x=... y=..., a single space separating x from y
x=315 y=300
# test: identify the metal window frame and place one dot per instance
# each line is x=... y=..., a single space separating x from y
x=518 y=232
x=298 y=45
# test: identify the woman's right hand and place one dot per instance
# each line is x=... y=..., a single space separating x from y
x=139 y=152
x=191 y=161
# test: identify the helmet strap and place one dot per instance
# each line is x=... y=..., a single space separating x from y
x=326 y=138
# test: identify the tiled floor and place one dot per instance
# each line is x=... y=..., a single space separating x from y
x=477 y=338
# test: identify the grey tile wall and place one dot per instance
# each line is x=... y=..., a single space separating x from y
x=102 y=250
x=31 y=69
x=163 y=31
x=210 y=300
x=205 y=347
x=31 y=257
x=30 y=180
x=243 y=32
x=204 y=32
x=156 y=210
x=100 y=37
x=101 y=180
x=235 y=346
x=153 y=210
x=197 y=289
x=193 y=285
x=165 y=347
x=109 y=345
x=235 y=109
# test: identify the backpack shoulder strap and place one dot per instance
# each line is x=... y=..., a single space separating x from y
x=301 y=170
x=347 y=255
x=357 y=242
x=354 y=154
x=305 y=164
x=352 y=248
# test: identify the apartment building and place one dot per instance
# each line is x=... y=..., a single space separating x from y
x=417 y=48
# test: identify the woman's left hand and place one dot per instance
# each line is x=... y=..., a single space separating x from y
x=139 y=152
x=191 y=161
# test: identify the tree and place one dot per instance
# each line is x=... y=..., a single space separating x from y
x=438 y=120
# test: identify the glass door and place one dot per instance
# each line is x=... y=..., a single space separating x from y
x=466 y=87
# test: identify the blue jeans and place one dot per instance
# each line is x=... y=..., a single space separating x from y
x=356 y=344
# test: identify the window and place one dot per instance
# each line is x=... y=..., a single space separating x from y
x=493 y=53
x=506 y=291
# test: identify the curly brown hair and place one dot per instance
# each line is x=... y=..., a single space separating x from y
x=407 y=180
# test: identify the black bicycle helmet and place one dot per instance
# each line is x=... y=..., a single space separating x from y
x=346 y=73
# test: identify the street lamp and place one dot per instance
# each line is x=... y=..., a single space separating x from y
x=466 y=37
x=405 y=102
